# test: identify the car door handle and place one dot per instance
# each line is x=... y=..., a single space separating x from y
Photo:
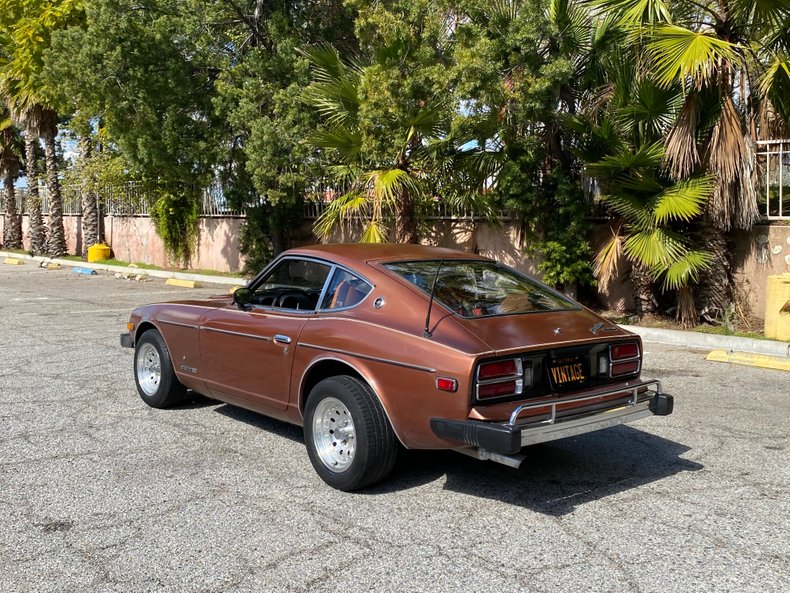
x=281 y=339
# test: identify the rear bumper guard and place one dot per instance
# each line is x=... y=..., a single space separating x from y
x=646 y=399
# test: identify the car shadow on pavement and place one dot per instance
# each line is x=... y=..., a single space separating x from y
x=278 y=427
x=555 y=478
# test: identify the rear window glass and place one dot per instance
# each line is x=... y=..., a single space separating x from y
x=481 y=288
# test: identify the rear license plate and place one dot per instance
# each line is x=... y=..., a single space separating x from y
x=567 y=371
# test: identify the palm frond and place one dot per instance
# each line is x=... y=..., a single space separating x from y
x=387 y=183
x=638 y=12
x=775 y=84
x=375 y=232
x=633 y=209
x=334 y=90
x=613 y=165
x=607 y=259
x=339 y=211
x=341 y=140
x=654 y=247
x=682 y=154
x=678 y=53
x=684 y=271
x=683 y=201
x=767 y=14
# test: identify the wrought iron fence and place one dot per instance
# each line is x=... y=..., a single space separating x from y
x=773 y=162
x=135 y=198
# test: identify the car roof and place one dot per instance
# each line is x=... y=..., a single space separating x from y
x=350 y=253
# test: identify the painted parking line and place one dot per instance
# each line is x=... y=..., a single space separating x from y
x=748 y=359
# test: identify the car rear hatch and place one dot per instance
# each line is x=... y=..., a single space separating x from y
x=552 y=356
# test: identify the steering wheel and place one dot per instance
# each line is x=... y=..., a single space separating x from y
x=293 y=299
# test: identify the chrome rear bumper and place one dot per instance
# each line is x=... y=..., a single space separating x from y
x=639 y=401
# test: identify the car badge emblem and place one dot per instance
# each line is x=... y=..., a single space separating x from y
x=601 y=326
x=557 y=331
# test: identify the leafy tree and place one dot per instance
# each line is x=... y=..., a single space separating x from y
x=387 y=134
x=266 y=167
x=137 y=68
x=523 y=66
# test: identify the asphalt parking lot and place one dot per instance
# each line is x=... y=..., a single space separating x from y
x=100 y=493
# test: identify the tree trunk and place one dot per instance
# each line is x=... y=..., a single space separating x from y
x=89 y=202
x=37 y=232
x=12 y=227
x=644 y=294
x=715 y=289
x=406 y=219
x=56 y=246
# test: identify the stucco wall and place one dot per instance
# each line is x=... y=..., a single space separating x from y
x=763 y=251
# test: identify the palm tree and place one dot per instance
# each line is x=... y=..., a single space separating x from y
x=730 y=60
x=91 y=227
x=28 y=26
x=378 y=186
x=9 y=170
x=30 y=119
x=56 y=246
x=652 y=229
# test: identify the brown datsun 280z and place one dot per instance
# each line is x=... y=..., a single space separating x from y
x=370 y=347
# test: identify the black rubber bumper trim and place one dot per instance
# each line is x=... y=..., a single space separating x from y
x=662 y=404
x=127 y=341
x=486 y=435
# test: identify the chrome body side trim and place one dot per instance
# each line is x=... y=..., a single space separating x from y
x=178 y=324
x=233 y=333
x=405 y=365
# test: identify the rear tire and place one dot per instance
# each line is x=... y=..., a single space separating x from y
x=349 y=439
x=154 y=376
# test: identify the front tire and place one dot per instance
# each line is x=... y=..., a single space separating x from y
x=154 y=376
x=349 y=439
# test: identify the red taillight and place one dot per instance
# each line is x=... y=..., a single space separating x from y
x=494 y=370
x=621 y=351
x=624 y=359
x=624 y=368
x=502 y=378
x=497 y=389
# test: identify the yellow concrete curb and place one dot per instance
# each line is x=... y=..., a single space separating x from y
x=12 y=261
x=753 y=360
x=51 y=266
x=184 y=283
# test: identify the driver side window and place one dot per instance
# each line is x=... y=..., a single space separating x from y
x=292 y=284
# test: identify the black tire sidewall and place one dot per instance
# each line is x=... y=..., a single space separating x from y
x=357 y=474
x=170 y=390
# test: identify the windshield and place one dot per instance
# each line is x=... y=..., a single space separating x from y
x=473 y=288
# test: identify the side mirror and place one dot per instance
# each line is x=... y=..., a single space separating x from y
x=242 y=297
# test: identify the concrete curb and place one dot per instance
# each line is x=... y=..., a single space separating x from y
x=711 y=341
x=199 y=278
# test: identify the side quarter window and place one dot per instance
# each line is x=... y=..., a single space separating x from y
x=345 y=290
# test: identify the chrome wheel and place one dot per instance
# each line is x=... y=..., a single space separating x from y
x=334 y=436
x=149 y=369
